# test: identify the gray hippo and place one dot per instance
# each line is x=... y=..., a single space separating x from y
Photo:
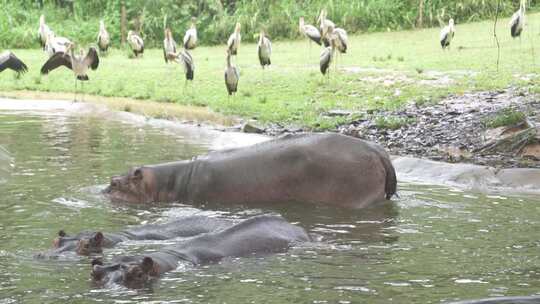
x=259 y=235
x=88 y=242
x=503 y=300
x=324 y=168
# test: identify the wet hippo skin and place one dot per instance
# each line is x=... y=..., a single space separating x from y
x=88 y=242
x=259 y=235
x=313 y=168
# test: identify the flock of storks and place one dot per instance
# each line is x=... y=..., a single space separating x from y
x=62 y=51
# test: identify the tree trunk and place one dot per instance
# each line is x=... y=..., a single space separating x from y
x=420 y=17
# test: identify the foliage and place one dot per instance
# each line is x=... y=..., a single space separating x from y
x=216 y=18
x=505 y=117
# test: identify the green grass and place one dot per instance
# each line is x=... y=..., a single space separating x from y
x=505 y=117
x=293 y=92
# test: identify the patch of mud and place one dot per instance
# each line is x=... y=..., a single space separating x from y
x=453 y=130
x=390 y=78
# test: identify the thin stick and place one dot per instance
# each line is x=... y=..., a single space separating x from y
x=495 y=34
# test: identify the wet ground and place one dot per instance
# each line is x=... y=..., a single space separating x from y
x=433 y=244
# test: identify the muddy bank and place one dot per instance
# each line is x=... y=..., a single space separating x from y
x=457 y=129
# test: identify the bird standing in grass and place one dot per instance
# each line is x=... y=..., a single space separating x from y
x=79 y=64
x=8 y=60
x=342 y=39
x=326 y=57
x=190 y=38
x=311 y=32
x=264 y=49
x=169 y=45
x=136 y=43
x=43 y=32
x=325 y=26
x=234 y=40
x=447 y=34
x=184 y=58
x=518 y=21
x=56 y=44
x=103 y=39
x=231 y=76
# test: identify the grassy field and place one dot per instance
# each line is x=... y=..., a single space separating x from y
x=381 y=71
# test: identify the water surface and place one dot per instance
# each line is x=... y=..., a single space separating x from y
x=432 y=245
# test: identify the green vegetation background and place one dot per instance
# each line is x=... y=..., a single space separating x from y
x=78 y=19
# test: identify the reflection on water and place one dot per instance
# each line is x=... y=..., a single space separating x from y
x=433 y=244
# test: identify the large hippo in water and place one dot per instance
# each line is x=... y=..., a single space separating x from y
x=318 y=168
x=93 y=242
x=259 y=235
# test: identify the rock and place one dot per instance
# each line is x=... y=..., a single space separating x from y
x=249 y=128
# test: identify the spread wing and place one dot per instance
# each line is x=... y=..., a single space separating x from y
x=56 y=60
x=313 y=34
x=8 y=60
x=92 y=58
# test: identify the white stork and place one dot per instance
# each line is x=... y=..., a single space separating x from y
x=327 y=56
x=8 y=60
x=184 y=58
x=231 y=76
x=55 y=44
x=264 y=49
x=325 y=26
x=103 y=38
x=79 y=64
x=136 y=43
x=43 y=32
x=447 y=34
x=234 y=40
x=311 y=32
x=169 y=45
x=190 y=38
x=518 y=21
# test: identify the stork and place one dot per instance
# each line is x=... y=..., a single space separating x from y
x=234 y=40
x=55 y=44
x=518 y=21
x=43 y=32
x=231 y=76
x=264 y=49
x=342 y=39
x=190 y=38
x=169 y=45
x=79 y=64
x=447 y=34
x=311 y=32
x=103 y=38
x=326 y=57
x=136 y=43
x=184 y=57
x=8 y=60
x=325 y=25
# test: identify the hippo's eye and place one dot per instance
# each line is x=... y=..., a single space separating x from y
x=115 y=184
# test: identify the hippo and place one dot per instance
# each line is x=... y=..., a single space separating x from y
x=88 y=242
x=326 y=168
x=256 y=236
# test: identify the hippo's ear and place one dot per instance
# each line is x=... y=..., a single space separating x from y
x=62 y=233
x=137 y=174
x=98 y=237
x=97 y=261
x=147 y=264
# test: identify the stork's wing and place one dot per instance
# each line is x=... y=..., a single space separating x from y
x=444 y=33
x=326 y=58
x=56 y=60
x=230 y=42
x=92 y=58
x=313 y=34
x=8 y=60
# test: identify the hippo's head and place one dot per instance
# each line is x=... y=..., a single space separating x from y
x=132 y=274
x=133 y=187
x=91 y=244
x=61 y=244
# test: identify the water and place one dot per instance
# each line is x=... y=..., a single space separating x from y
x=434 y=244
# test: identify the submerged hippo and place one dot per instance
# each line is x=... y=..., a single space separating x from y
x=87 y=242
x=258 y=235
x=503 y=300
x=318 y=168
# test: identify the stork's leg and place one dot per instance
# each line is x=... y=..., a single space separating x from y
x=82 y=90
x=75 y=91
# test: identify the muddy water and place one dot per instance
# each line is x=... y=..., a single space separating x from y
x=432 y=244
